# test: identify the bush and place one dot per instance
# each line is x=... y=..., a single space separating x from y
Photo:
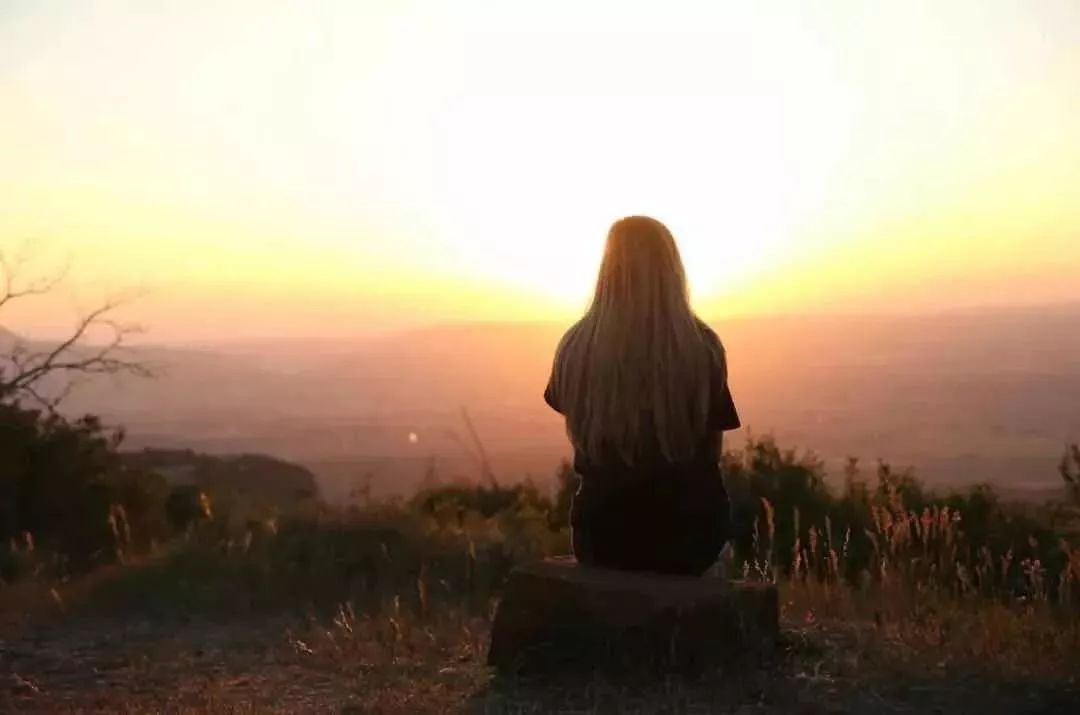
x=64 y=490
x=788 y=522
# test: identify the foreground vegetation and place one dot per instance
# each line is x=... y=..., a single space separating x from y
x=892 y=596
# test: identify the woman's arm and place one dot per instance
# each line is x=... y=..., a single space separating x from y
x=723 y=416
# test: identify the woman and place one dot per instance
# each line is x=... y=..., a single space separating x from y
x=642 y=383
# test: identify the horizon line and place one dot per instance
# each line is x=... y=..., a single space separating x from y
x=375 y=333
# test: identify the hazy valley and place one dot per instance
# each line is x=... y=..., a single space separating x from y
x=963 y=397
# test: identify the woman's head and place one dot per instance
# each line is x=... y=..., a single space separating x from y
x=633 y=375
x=642 y=269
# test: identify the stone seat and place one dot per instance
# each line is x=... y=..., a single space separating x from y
x=557 y=615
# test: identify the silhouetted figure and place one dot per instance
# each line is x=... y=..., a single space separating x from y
x=642 y=383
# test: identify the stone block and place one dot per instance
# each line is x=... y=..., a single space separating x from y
x=557 y=615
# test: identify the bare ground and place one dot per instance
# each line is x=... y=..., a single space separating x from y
x=59 y=653
x=285 y=664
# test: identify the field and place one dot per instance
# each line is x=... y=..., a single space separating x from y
x=385 y=606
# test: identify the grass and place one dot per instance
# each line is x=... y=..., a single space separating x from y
x=387 y=608
x=928 y=600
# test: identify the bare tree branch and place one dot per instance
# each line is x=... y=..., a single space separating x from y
x=24 y=370
x=11 y=273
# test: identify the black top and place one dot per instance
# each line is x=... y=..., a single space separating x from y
x=658 y=515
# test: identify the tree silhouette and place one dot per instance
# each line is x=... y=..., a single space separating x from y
x=63 y=484
x=27 y=367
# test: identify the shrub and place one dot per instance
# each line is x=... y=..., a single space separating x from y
x=63 y=488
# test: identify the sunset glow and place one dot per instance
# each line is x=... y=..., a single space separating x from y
x=328 y=168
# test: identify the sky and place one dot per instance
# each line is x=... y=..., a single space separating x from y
x=254 y=169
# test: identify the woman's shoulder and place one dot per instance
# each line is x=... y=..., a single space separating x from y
x=710 y=337
x=571 y=333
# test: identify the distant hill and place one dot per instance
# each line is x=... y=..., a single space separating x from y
x=965 y=396
x=249 y=477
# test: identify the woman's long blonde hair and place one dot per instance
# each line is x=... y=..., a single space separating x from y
x=632 y=376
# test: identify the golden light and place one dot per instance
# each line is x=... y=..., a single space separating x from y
x=342 y=164
x=532 y=184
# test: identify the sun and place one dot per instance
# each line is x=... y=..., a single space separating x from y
x=531 y=186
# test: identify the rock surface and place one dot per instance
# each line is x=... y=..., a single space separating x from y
x=557 y=615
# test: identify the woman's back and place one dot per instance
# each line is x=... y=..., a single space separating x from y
x=643 y=385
